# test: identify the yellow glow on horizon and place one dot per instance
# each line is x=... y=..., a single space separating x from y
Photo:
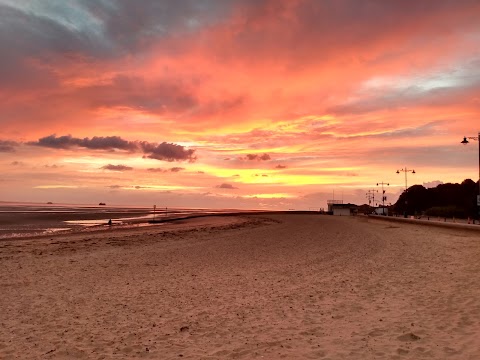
x=162 y=187
x=226 y=173
x=56 y=187
x=287 y=177
x=270 y=196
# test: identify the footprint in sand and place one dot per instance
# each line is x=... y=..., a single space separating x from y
x=408 y=337
x=376 y=332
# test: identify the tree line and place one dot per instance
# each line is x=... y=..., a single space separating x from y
x=445 y=200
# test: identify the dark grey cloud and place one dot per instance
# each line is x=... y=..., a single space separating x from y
x=103 y=27
x=160 y=170
x=108 y=143
x=168 y=152
x=29 y=36
x=116 y=167
x=52 y=141
x=226 y=186
x=257 y=157
x=280 y=167
x=133 y=25
x=163 y=151
x=7 y=145
x=95 y=143
x=115 y=186
x=17 y=163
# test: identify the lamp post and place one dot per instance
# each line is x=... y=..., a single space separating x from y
x=465 y=142
x=383 y=196
x=405 y=170
x=370 y=195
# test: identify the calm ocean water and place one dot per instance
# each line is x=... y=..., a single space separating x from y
x=18 y=220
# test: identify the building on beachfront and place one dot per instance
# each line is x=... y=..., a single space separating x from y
x=331 y=203
x=339 y=209
x=381 y=210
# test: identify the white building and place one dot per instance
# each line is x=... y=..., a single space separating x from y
x=381 y=211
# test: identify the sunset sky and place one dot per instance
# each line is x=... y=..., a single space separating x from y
x=273 y=104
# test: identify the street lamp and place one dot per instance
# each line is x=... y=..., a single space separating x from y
x=406 y=186
x=383 y=196
x=406 y=171
x=370 y=195
x=465 y=142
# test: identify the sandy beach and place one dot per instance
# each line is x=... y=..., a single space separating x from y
x=244 y=287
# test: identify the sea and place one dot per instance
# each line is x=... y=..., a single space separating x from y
x=27 y=220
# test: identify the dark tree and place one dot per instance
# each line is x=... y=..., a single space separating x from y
x=444 y=200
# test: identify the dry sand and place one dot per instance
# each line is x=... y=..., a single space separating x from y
x=272 y=287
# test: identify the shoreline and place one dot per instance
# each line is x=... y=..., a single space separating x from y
x=136 y=228
x=144 y=221
x=40 y=222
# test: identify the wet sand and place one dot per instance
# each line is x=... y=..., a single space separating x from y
x=256 y=286
x=27 y=221
x=38 y=220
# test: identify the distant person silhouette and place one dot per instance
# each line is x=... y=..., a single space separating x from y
x=110 y=222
